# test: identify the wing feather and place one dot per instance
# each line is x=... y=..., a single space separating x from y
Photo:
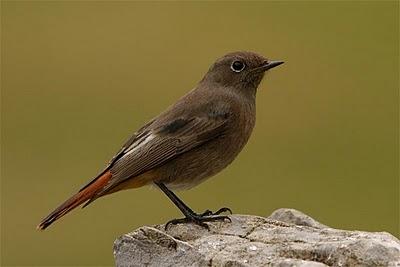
x=135 y=138
x=166 y=142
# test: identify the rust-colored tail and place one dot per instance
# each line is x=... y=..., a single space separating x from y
x=77 y=199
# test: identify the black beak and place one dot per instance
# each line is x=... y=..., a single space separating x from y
x=266 y=66
x=271 y=64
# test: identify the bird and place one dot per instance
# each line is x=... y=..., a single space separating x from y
x=192 y=140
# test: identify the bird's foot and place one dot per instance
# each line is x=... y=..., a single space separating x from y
x=200 y=219
x=218 y=212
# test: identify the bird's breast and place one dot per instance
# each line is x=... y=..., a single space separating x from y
x=193 y=167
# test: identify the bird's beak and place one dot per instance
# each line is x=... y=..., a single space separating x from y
x=266 y=66
x=271 y=64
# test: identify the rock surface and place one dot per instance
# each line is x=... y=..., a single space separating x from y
x=286 y=238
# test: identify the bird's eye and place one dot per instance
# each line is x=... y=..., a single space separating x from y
x=237 y=66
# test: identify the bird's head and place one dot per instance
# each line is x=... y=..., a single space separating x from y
x=243 y=70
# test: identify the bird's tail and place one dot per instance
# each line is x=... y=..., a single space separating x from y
x=77 y=199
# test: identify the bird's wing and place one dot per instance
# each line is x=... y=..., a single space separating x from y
x=154 y=147
x=134 y=138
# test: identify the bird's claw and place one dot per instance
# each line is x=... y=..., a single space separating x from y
x=221 y=210
x=200 y=219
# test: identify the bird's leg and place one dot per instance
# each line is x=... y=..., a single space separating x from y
x=190 y=215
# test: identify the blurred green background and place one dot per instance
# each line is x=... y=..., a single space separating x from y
x=79 y=77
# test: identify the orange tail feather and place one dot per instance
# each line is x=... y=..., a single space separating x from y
x=77 y=199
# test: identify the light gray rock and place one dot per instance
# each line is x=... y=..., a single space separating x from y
x=295 y=217
x=286 y=238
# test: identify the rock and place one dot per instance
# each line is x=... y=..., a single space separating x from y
x=295 y=217
x=286 y=238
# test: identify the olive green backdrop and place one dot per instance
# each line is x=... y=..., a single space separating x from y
x=79 y=77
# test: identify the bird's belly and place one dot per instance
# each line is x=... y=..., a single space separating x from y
x=192 y=168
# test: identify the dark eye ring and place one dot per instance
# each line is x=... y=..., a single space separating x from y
x=237 y=66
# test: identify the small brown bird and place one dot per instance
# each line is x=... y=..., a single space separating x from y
x=192 y=140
